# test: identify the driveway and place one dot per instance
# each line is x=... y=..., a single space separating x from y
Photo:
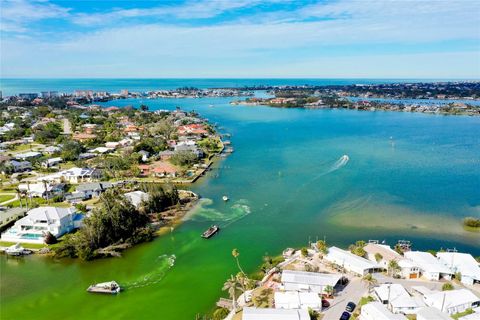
x=352 y=292
x=67 y=128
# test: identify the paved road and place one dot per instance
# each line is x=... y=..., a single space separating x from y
x=67 y=128
x=352 y=292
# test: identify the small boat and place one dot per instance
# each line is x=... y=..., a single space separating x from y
x=17 y=250
x=225 y=198
x=210 y=232
x=105 y=287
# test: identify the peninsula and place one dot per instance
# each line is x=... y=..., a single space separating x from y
x=110 y=173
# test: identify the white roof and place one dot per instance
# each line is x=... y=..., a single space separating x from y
x=399 y=297
x=101 y=149
x=450 y=299
x=34 y=187
x=309 y=298
x=51 y=149
x=29 y=154
x=422 y=290
x=290 y=298
x=427 y=262
x=45 y=213
x=310 y=278
x=73 y=172
x=461 y=262
x=57 y=159
x=274 y=314
x=378 y=311
x=405 y=263
x=136 y=197
x=338 y=254
x=430 y=313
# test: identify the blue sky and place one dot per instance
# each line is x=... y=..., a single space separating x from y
x=240 y=38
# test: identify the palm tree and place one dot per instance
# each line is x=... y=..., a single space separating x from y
x=19 y=197
x=46 y=191
x=245 y=283
x=370 y=280
x=235 y=254
x=232 y=286
x=329 y=290
x=393 y=267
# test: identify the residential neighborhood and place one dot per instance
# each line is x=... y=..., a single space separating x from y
x=369 y=281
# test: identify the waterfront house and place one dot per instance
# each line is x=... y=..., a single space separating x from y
x=297 y=300
x=430 y=313
x=462 y=263
x=430 y=267
x=408 y=269
x=385 y=253
x=250 y=313
x=308 y=281
x=192 y=129
x=189 y=148
x=351 y=262
x=73 y=175
x=136 y=197
x=397 y=299
x=452 y=301
x=378 y=311
x=39 y=221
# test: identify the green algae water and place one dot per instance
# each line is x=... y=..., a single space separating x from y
x=295 y=176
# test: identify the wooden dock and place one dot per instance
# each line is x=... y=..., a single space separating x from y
x=225 y=303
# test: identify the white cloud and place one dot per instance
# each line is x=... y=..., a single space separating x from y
x=251 y=46
x=191 y=10
x=16 y=14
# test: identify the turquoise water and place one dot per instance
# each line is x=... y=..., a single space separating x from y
x=407 y=176
x=15 y=86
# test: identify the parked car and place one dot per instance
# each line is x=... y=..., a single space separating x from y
x=350 y=306
x=345 y=316
x=325 y=303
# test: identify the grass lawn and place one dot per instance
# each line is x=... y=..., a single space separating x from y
x=4 y=198
x=24 y=147
x=462 y=314
x=25 y=245
x=37 y=201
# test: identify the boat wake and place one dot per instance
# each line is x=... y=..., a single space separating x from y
x=238 y=210
x=165 y=262
x=339 y=163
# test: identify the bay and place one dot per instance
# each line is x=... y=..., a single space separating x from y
x=407 y=176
